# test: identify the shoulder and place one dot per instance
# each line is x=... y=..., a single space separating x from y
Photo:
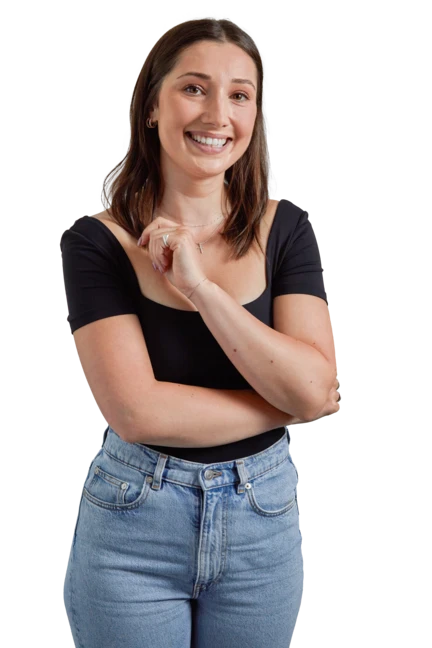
x=266 y=221
x=271 y=210
x=90 y=237
x=103 y=216
x=106 y=218
x=293 y=221
x=126 y=240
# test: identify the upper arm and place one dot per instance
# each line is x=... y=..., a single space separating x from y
x=300 y=307
x=306 y=318
x=116 y=363
x=106 y=329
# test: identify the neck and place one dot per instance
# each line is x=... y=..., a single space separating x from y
x=196 y=212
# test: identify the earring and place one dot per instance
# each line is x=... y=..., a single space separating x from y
x=150 y=124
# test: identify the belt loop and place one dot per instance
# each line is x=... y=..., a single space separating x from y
x=157 y=476
x=242 y=474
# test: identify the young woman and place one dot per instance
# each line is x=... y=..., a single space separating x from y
x=201 y=345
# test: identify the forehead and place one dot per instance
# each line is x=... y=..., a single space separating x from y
x=220 y=60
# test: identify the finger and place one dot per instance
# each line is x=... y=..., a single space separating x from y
x=159 y=223
x=153 y=251
x=155 y=225
x=144 y=239
x=163 y=252
x=159 y=250
x=163 y=258
x=167 y=255
x=159 y=254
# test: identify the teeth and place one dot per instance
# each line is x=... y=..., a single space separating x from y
x=209 y=141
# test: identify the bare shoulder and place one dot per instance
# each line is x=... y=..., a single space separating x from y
x=110 y=222
x=122 y=235
x=269 y=215
x=267 y=220
x=103 y=216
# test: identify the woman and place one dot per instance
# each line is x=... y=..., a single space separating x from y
x=201 y=344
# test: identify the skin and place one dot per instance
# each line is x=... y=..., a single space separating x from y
x=194 y=181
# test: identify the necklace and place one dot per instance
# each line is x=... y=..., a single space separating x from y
x=199 y=245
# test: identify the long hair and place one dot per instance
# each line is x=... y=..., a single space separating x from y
x=138 y=188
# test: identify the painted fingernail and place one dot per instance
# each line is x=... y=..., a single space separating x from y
x=139 y=241
x=154 y=266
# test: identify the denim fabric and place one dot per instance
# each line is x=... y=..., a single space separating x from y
x=169 y=553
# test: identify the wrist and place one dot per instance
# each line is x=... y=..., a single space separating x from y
x=202 y=288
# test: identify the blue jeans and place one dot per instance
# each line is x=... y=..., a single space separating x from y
x=169 y=553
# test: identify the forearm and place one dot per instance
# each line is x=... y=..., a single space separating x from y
x=186 y=416
x=289 y=374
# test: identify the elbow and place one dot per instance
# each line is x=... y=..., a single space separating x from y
x=138 y=419
x=122 y=430
x=139 y=428
x=127 y=436
x=316 y=409
x=132 y=432
x=312 y=414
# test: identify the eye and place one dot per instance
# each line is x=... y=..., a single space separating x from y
x=242 y=94
x=191 y=86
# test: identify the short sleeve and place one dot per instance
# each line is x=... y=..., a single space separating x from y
x=94 y=285
x=299 y=269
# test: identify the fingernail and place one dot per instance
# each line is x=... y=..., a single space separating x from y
x=154 y=266
x=139 y=241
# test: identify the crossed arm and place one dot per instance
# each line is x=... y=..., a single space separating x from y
x=285 y=365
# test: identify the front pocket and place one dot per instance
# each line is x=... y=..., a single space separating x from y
x=114 y=484
x=274 y=492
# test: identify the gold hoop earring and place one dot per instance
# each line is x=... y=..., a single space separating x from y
x=150 y=124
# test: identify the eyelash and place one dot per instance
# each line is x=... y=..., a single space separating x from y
x=195 y=86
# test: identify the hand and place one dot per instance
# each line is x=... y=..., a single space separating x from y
x=180 y=260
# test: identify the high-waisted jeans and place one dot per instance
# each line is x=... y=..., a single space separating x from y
x=169 y=553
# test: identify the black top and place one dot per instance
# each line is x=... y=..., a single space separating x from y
x=100 y=281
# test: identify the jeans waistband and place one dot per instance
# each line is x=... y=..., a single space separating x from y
x=206 y=476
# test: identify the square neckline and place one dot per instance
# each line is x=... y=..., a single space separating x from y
x=182 y=310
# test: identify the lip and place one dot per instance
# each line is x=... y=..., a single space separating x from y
x=207 y=134
x=206 y=148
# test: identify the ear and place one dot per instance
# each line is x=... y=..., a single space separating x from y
x=154 y=113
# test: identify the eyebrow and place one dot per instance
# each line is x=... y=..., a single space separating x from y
x=207 y=77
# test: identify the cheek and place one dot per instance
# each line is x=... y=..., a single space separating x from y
x=183 y=111
x=244 y=125
x=244 y=133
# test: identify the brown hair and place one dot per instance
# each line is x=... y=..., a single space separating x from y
x=138 y=188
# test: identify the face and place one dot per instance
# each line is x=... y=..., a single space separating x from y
x=216 y=105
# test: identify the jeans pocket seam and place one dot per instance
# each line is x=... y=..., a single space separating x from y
x=119 y=507
x=253 y=502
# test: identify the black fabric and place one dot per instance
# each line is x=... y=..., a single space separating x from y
x=100 y=282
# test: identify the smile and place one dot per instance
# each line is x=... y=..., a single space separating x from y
x=208 y=148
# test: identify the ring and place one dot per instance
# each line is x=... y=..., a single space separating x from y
x=165 y=239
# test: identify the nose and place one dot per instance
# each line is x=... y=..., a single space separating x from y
x=217 y=109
